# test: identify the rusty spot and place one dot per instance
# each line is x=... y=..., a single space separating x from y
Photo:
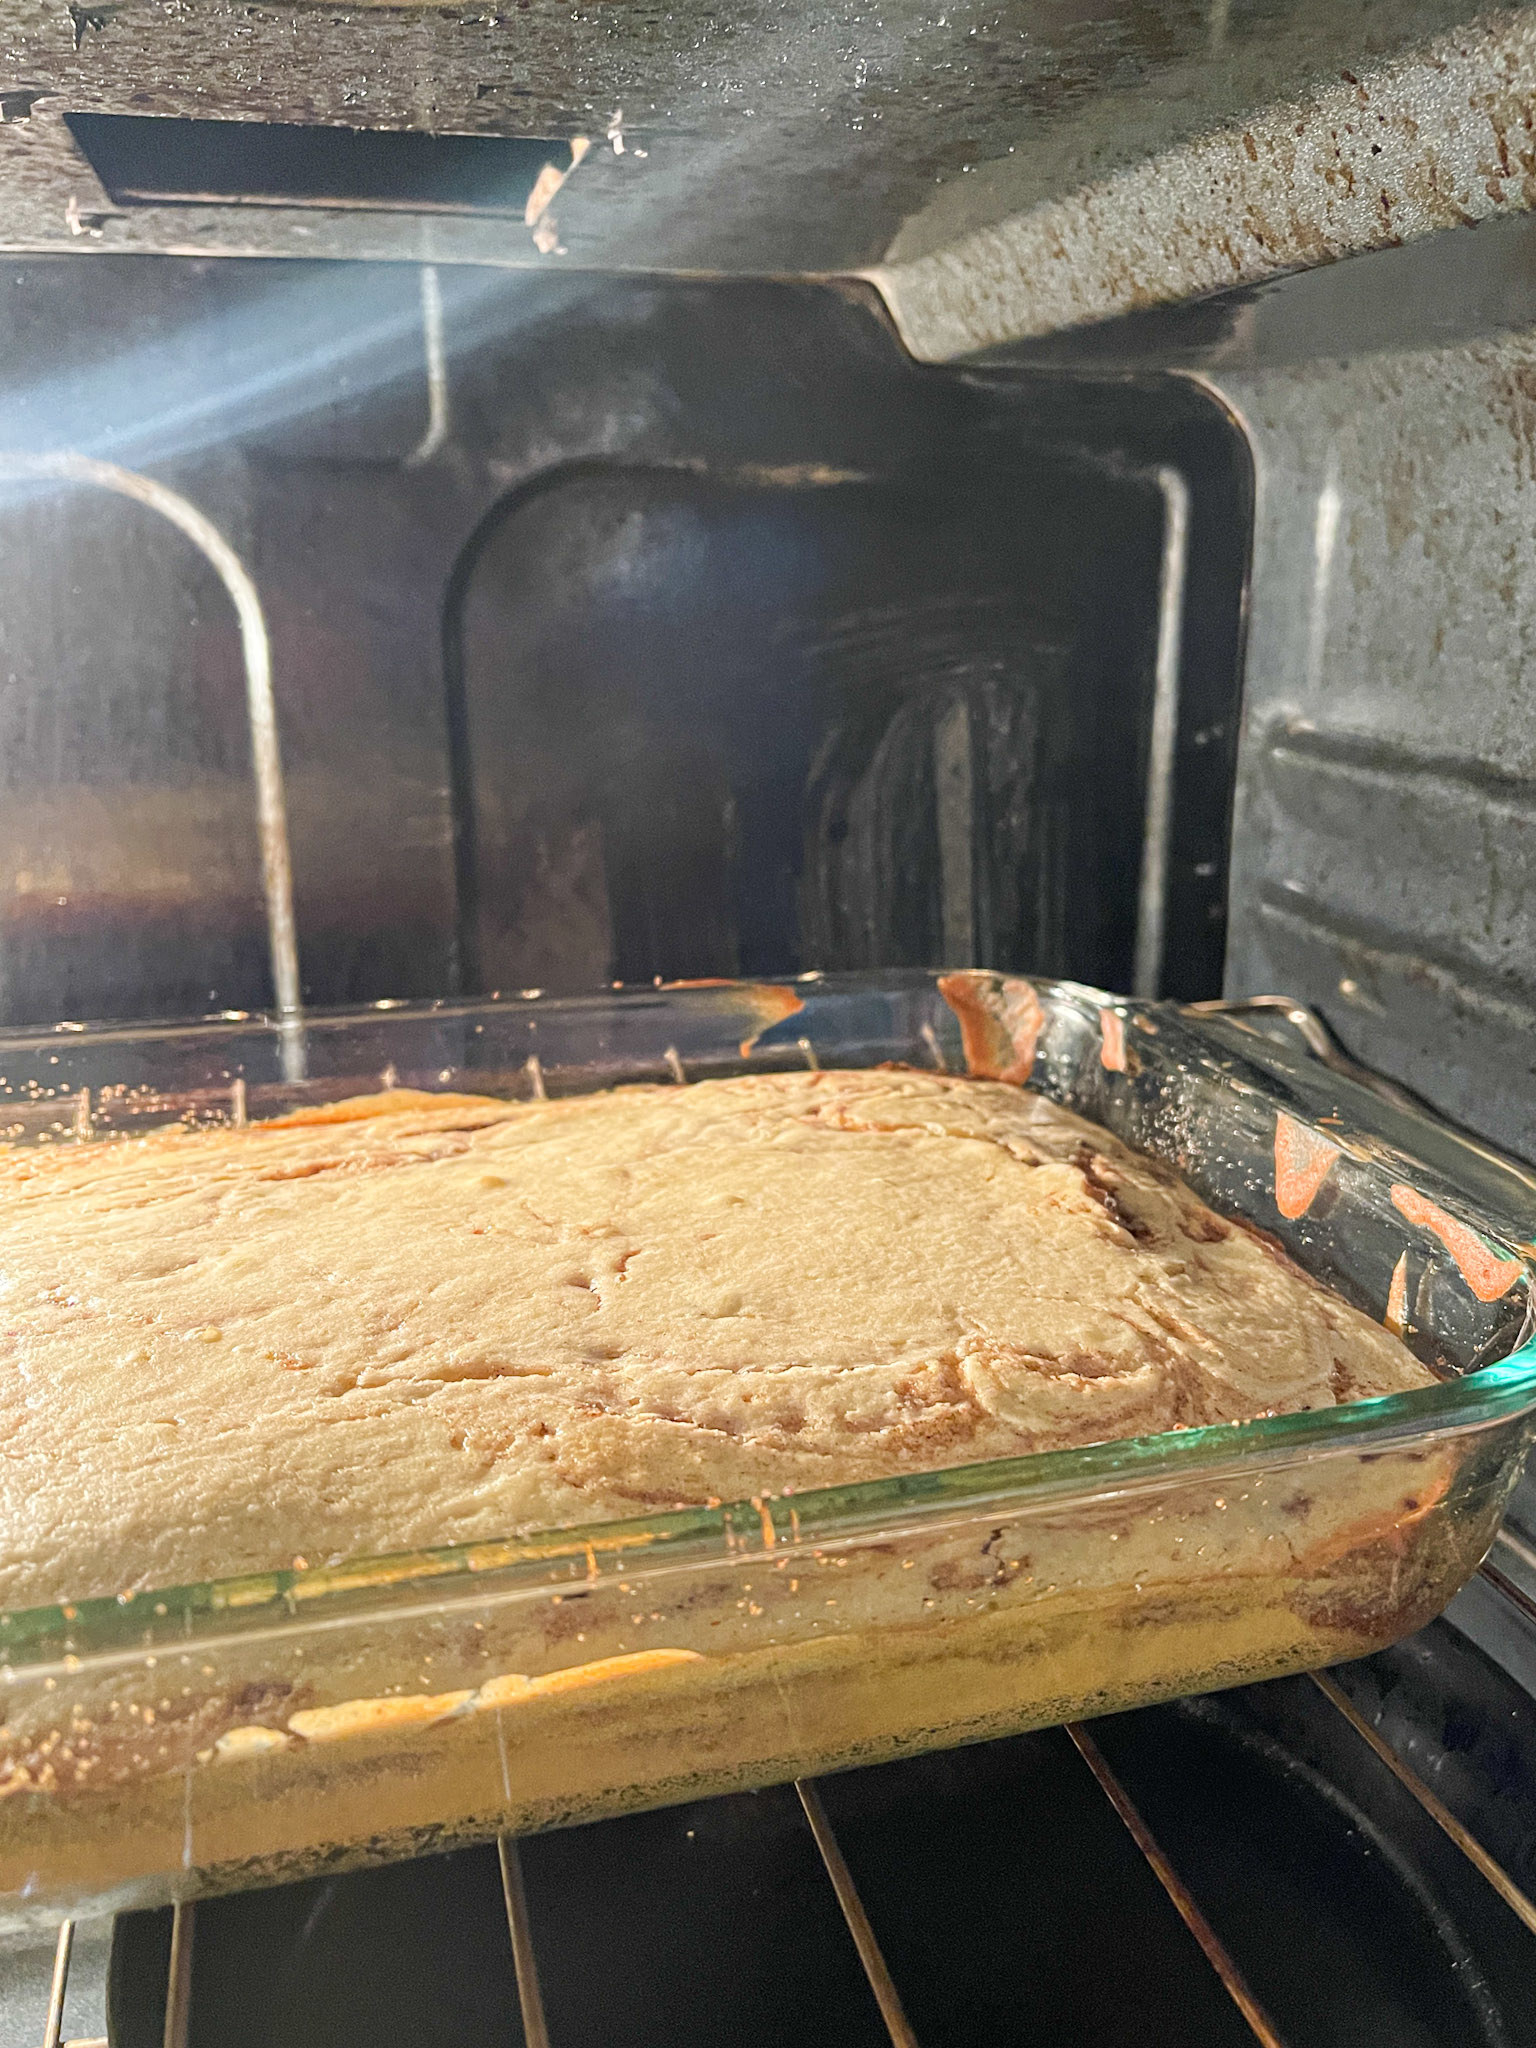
x=1361 y=161
x=1512 y=400
x=550 y=180
x=1303 y=1161
x=1487 y=1274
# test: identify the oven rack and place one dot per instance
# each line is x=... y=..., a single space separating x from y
x=887 y=1997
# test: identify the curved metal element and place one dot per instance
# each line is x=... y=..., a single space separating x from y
x=439 y=418
x=466 y=971
x=1315 y=1034
x=178 y=1990
x=65 y=466
x=1157 y=830
x=1486 y=1866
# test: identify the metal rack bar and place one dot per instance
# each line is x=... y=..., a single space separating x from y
x=178 y=1989
x=1504 y=1585
x=439 y=419
x=1523 y=1555
x=529 y=1995
x=887 y=1998
x=1216 y=1951
x=1162 y=745
x=1443 y=1818
x=880 y=1982
x=1518 y=1548
x=53 y=2033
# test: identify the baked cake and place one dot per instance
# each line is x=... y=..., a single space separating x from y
x=414 y=1319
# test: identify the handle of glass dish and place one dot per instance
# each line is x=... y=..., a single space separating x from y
x=1317 y=1036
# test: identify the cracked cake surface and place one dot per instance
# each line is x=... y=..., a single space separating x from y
x=415 y=1319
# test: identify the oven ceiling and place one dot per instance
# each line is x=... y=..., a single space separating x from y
x=1003 y=167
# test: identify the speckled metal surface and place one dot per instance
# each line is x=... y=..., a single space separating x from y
x=1444 y=137
x=774 y=139
x=1384 y=839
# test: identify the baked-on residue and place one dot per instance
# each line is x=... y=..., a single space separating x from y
x=418 y=1319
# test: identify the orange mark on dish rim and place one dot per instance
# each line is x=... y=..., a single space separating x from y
x=1112 y=1028
x=1000 y=1023
x=768 y=1002
x=1396 y=1317
x=1303 y=1161
x=1484 y=1271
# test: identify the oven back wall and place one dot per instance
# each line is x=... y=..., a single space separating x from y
x=619 y=629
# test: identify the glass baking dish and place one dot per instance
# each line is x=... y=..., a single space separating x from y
x=209 y=1737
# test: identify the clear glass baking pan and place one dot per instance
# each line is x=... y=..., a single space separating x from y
x=209 y=1737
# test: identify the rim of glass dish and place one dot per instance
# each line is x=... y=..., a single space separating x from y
x=184 y=1617
x=71 y=1635
x=638 y=994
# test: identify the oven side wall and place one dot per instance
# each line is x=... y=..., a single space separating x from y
x=1384 y=822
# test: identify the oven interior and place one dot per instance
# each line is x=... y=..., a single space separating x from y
x=633 y=628
x=621 y=629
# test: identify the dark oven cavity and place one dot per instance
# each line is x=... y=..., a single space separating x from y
x=619 y=629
